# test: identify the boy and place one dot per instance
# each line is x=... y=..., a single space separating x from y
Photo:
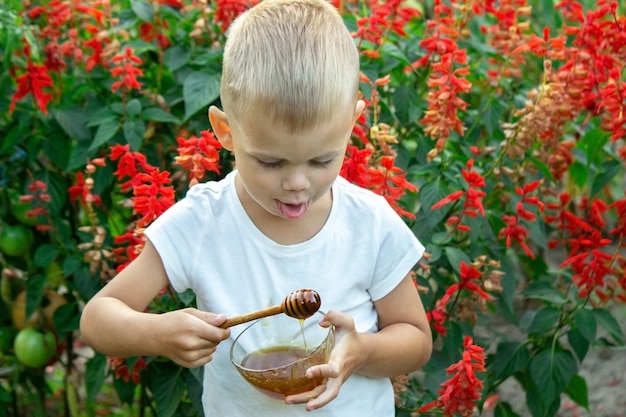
x=283 y=220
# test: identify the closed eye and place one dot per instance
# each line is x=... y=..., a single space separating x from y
x=322 y=163
x=269 y=164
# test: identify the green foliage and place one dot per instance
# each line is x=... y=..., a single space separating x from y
x=530 y=149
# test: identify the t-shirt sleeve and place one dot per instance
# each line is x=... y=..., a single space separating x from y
x=177 y=237
x=399 y=251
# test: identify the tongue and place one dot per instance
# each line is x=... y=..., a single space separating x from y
x=292 y=211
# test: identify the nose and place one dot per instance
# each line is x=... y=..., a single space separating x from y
x=296 y=180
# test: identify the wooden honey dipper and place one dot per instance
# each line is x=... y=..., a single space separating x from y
x=300 y=304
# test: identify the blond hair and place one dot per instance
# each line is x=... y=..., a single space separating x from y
x=292 y=61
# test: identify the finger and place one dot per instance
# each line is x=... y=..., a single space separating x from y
x=196 y=358
x=325 y=370
x=305 y=397
x=327 y=395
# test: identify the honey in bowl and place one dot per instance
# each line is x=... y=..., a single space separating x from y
x=274 y=353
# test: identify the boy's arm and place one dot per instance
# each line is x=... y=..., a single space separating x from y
x=114 y=323
x=404 y=342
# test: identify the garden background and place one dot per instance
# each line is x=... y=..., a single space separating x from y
x=495 y=128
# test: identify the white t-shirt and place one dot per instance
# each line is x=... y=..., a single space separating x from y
x=208 y=244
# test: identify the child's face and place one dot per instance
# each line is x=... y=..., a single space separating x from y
x=286 y=173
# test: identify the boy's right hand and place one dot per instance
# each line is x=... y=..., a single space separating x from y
x=189 y=337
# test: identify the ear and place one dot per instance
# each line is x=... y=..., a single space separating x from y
x=221 y=128
x=358 y=109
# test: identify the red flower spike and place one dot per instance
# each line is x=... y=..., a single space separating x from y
x=460 y=394
x=198 y=155
x=125 y=69
x=35 y=80
x=472 y=203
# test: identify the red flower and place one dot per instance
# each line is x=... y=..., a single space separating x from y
x=472 y=203
x=82 y=190
x=37 y=198
x=390 y=182
x=129 y=246
x=152 y=196
x=446 y=83
x=120 y=368
x=385 y=179
x=596 y=267
x=227 y=10
x=515 y=232
x=355 y=165
x=460 y=393
x=125 y=68
x=33 y=81
x=386 y=17
x=149 y=32
x=437 y=319
x=198 y=155
x=130 y=164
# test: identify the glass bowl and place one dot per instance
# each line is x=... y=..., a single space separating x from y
x=273 y=353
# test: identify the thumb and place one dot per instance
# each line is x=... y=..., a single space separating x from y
x=337 y=319
x=213 y=319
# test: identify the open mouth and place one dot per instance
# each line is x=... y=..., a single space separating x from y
x=292 y=211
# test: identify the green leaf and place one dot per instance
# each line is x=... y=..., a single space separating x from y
x=133 y=133
x=577 y=391
x=592 y=143
x=452 y=342
x=133 y=107
x=118 y=108
x=125 y=390
x=551 y=371
x=429 y=194
x=610 y=170
x=510 y=357
x=85 y=283
x=57 y=148
x=66 y=319
x=585 y=322
x=71 y=265
x=579 y=173
x=544 y=320
x=579 y=343
x=392 y=50
x=504 y=410
x=143 y=10
x=95 y=374
x=199 y=90
x=159 y=115
x=105 y=132
x=73 y=123
x=455 y=256
x=441 y=238
x=168 y=390
x=79 y=153
x=407 y=106
x=543 y=291
x=102 y=116
x=606 y=320
x=175 y=58
x=45 y=254
x=492 y=115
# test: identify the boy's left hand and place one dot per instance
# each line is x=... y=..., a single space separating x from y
x=347 y=356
